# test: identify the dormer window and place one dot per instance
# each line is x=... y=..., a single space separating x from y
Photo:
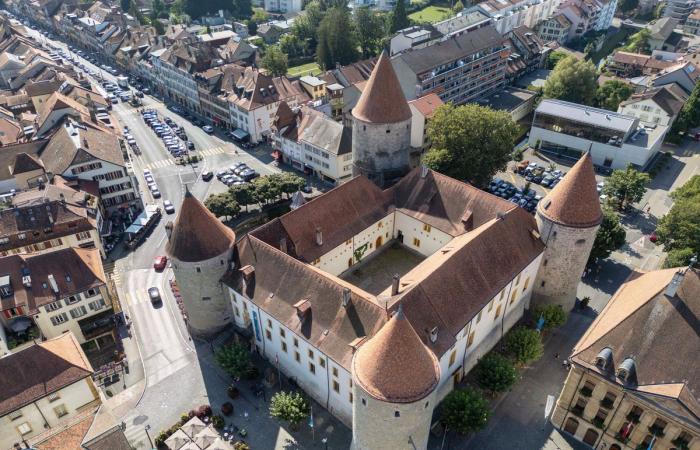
x=604 y=358
x=626 y=370
x=5 y=286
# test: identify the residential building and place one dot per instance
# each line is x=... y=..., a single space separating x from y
x=271 y=31
x=313 y=142
x=214 y=86
x=58 y=292
x=629 y=65
x=614 y=140
x=657 y=105
x=283 y=6
x=692 y=24
x=662 y=36
x=527 y=52
x=519 y=103
x=422 y=110
x=680 y=9
x=314 y=86
x=81 y=150
x=53 y=217
x=632 y=382
x=459 y=69
x=684 y=74
x=510 y=14
x=44 y=387
x=555 y=29
x=588 y=15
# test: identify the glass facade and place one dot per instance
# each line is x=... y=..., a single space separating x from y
x=578 y=129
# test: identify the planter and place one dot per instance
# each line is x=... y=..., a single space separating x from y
x=227 y=409
x=233 y=392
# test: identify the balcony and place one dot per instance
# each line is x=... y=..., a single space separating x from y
x=657 y=431
x=598 y=422
x=607 y=403
x=577 y=410
x=622 y=439
x=633 y=417
x=681 y=444
x=586 y=391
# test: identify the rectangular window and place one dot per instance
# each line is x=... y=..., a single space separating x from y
x=60 y=410
x=312 y=368
x=350 y=397
x=512 y=296
x=335 y=371
x=24 y=428
x=517 y=280
x=80 y=311
x=490 y=305
x=53 y=306
x=453 y=356
x=498 y=312
x=59 y=319
x=72 y=299
x=284 y=346
x=478 y=316
x=97 y=304
x=282 y=334
x=53 y=397
x=269 y=323
x=296 y=342
x=15 y=415
x=416 y=242
x=503 y=293
x=236 y=311
x=311 y=354
x=470 y=341
x=268 y=335
x=336 y=387
x=321 y=362
x=297 y=357
x=427 y=228
x=527 y=283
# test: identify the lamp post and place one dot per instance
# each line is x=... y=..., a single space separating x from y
x=325 y=443
x=146 y=428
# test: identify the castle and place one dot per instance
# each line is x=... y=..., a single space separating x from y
x=378 y=301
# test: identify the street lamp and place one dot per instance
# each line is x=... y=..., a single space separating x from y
x=325 y=443
x=146 y=428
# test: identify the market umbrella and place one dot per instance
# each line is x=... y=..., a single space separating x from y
x=193 y=426
x=220 y=444
x=177 y=440
x=206 y=437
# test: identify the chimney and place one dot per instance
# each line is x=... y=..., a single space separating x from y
x=52 y=283
x=319 y=236
x=675 y=283
x=433 y=335
x=62 y=197
x=395 y=284
x=346 y=297
x=283 y=244
x=169 y=229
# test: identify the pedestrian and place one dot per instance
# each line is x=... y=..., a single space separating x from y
x=556 y=356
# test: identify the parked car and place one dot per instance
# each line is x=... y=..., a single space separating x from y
x=208 y=175
x=168 y=207
x=160 y=262
x=208 y=129
x=155 y=193
x=190 y=145
x=154 y=295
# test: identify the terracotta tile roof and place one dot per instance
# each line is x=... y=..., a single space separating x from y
x=25 y=163
x=68 y=436
x=635 y=59
x=661 y=96
x=574 y=201
x=427 y=104
x=659 y=332
x=382 y=101
x=197 y=234
x=394 y=366
x=40 y=370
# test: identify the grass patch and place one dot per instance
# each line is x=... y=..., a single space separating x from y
x=305 y=69
x=431 y=14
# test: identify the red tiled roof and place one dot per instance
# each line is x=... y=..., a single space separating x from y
x=427 y=104
x=382 y=101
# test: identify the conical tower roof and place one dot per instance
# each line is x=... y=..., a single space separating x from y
x=394 y=365
x=382 y=100
x=197 y=234
x=574 y=202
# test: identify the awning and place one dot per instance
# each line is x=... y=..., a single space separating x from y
x=240 y=134
x=276 y=154
x=21 y=324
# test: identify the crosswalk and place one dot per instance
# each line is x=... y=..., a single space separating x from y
x=135 y=432
x=171 y=161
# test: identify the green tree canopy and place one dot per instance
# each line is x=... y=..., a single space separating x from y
x=610 y=236
x=573 y=81
x=306 y=25
x=626 y=186
x=399 y=17
x=470 y=142
x=554 y=57
x=222 y=205
x=679 y=229
x=554 y=316
x=638 y=42
x=274 y=61
x=290 y=407
x=267 y=188
x=612 y=93
x=525 y=344
x=370 y=30
x=289 y=182
x=242 y=9
x=244 y=194
x=159 y=27
x=495 y=372
x=458 y=7
x=337 y=41
x=689 y=116
x=234 y=359
x=627 y=5
x=465 y=411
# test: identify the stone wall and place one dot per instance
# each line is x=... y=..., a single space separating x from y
x=381 y=152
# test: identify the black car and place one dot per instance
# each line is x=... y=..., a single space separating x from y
x=154 y=295
x=190 y=145
x=208 y=175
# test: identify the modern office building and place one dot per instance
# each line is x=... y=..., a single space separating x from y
x=614 y=140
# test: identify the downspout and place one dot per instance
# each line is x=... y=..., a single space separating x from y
x=328 y=383
x=568 y=407
x=46 y=422
x=611 y=419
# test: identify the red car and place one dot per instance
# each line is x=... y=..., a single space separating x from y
x=160 y=262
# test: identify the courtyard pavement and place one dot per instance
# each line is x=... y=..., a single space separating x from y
x=375 y=273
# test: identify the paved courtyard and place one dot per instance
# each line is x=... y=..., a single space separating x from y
x=375 y=273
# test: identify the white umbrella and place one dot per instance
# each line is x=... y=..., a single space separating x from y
x=177 y=440
x=190 y=446
x=220 y=444
x=206 y=437
x=193 y=426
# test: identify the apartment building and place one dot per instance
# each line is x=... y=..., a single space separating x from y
x=680 y=9
x=692 y=24
x=58 y=292
x=510 y=14
x=555 y=29
x=633 y=378
x=459 y=69
x=84 y=151
x=659 y=105
x=422 y=110
x=44 y=387
x=283 y=6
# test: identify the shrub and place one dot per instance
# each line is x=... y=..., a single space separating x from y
x=554 y=316
x=240 y=445
x=465 y=411
x=203 y=411
x=227 y=409
x=184 y=417
x=191 y=413
x=496 y=373
x=234 y=359
x=524 y=344
x=289 y=406
x=218 y=422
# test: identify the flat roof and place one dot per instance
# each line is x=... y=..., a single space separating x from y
x=586 y=114
x=507 y=99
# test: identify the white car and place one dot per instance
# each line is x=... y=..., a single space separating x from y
x=208 y=129
x=168 y=206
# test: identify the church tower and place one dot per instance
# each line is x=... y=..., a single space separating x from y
x=381 y=129
x=568 y=219
x=394 y=379
x=201 y=248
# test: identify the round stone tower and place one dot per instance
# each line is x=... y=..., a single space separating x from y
x=201 y=248
x=568 y=219
x=394 y=380
x=381 y=129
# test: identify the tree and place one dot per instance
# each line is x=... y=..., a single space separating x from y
x=458 y=7
x=290 y=407
x=679 y=229
x=234 y=359
x=244 y=194
x=689 y=116
x=554 y=57
x=627 y=186
x=267 y=188
x=679 y=258
x=554 y=316
x=470 y=142
x=242 y=9
x=260 y=16
x=612 y=93
x=572 y=80
x=610 y=236
x=627 y=5
x=465 y=411
x=337 y=41
x=275 y=61
x=495 y=372
x=125 y=5
x=525 y=344
x=370 y=30
x=289 y=182
x=306 y=25
x=159 y=27
x=399 y=17
x=638 y=42
x=222 y=205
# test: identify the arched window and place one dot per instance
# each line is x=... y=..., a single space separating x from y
x=590 y=437
x=571 y=425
